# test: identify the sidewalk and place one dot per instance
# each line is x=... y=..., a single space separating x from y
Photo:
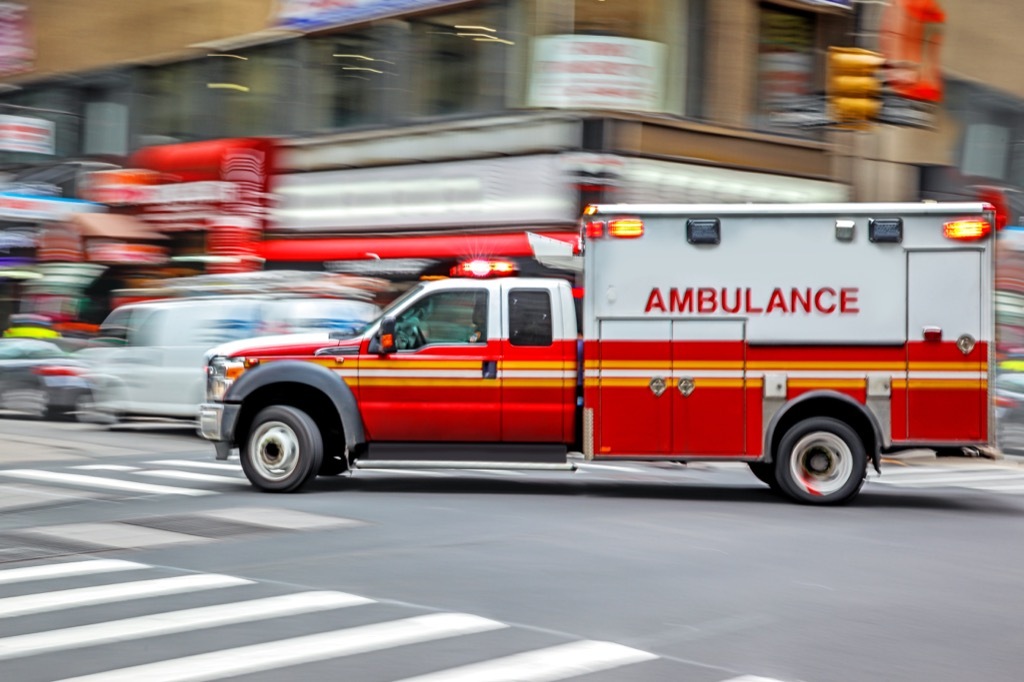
x=23 y=441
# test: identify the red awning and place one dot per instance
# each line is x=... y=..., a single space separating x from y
x=508 y=245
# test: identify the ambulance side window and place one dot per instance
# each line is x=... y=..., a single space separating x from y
x=529 y=317
x=447 y=317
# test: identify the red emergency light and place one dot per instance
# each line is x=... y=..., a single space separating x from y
x=968 y=229
x=481 y=268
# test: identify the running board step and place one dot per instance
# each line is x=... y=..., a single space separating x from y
x=449 y=464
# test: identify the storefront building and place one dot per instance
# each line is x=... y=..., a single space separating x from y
x=411 y=122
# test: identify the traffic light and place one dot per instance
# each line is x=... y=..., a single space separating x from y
x=853 y=85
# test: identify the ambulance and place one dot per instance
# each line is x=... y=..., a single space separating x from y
x=803 y=340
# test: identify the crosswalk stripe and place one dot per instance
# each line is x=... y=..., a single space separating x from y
x=196 y=464
x=105 y=467
x=97 y=482
x=65 y=570
x=298 y=650
x=104 y=594
x=940 y=479
x=914 y=472
x=194 y=476
x=175 y=621
x=1017 y=485
x=544 y=665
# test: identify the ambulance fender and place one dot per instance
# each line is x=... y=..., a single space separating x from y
x=827 y=404
x=308 y=386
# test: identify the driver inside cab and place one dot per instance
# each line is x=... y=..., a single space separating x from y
x=449 y=317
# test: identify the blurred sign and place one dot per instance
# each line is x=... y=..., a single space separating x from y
x=654 y=181
x=910 y=38
x=219 y=186
x=21 y=207
x=910 y=113
x=24 y=134
x=523 y=190
x=16 y=51
x=124 y=253
x=117 y=187
x=597 y=72
x=310 y=15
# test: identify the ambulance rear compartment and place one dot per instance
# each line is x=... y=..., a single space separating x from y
x=693 y=349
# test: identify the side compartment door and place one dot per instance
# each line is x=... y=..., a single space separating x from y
x=634 y=398
x=708 y=387
x=537 y=370
x=442 y=383
x=946 y=361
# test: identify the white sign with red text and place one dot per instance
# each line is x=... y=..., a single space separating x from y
x=597 y=72
x=24 y=134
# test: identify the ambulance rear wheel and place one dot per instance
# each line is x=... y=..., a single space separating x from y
x=821 y=461
x=284 y=449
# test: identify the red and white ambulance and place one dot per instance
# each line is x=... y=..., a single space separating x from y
x=805 y=340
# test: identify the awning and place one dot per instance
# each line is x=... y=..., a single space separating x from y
x=508 y=245
x=113 y=226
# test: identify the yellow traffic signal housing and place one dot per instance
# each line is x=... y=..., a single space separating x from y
x=853 y=84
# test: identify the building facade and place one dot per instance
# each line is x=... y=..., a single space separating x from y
x=399 y=120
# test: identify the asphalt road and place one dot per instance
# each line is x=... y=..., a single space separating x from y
x=133 y=555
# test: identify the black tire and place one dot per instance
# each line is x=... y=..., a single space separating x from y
x=765 y=472
x=821 y=461
x=283 y=451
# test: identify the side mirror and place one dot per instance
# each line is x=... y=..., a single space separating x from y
x=387 y=335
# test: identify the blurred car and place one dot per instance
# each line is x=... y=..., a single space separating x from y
x=148 y=358
x=1009 y=411
x=39 y=378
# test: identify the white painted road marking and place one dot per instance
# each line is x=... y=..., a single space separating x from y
x=105 y=467
x=186 y=620
x=197 y=464
x=194 y=476
x=104 y=594
x=65 y=570
x=97 y=482
x=310 y=648
x=544 y=665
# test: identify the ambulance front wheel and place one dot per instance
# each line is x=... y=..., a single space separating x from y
x=284 y=449
x=821 y=461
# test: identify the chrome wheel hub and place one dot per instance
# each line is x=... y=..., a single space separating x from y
x=822 y=463
x=274 y=450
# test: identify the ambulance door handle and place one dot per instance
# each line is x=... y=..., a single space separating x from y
x=490 y=369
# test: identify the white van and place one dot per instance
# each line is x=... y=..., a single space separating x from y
x=151 y=360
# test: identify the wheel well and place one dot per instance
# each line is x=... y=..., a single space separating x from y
x=849 y=413
x=312 y=401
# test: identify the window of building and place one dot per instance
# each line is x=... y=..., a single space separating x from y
x=252 y=90
x=172 y=103
x=786 y=78
x=460 y=61
x=349 y=76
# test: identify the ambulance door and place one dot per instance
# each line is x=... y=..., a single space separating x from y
x=634 y=392
x=441 y=385
x=708 y=387
x=946 y=362
x=538 y=384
